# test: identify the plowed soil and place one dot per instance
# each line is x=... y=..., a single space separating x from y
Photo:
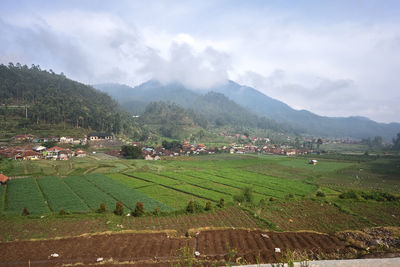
x=159 y=249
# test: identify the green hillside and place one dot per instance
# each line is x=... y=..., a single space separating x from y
x=212 y=109
x=37 y=100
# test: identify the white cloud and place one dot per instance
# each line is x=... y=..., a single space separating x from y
x=197 y=70
x=332 y=67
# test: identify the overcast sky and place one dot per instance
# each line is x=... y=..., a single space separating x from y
x=334 y=58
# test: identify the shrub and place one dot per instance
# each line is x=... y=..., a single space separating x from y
x=139 y=209
x=248 y=194
x=208 y=206
x=190 y=207
x=351 y=194
x=221 y=203
x=25 y=212
x=131 y=152
x=119 y=208
x=378 y=196
x=245 y=196
x=320 y=194
x=198 y=207
x=156 y=211
x=62 y=212
x=238 y=198
x=102 y=208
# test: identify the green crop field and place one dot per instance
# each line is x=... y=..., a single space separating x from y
x=129 y=180
x=322 y=165
x=80 y=185
x=174 y=199
x=127 y=195
x=88 y=192
x=25 y=193
x=60 y=196
x=154 y=178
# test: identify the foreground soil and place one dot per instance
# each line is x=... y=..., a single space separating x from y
x=163 y=249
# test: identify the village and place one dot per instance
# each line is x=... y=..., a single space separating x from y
x=30 y=147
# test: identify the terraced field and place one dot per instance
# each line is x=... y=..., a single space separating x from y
x=25 y=193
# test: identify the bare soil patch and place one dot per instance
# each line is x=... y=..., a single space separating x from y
x=311 y=215
x=159 y=249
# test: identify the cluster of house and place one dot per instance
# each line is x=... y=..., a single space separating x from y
x=34 y=139
x=40 y=152
x=63 y=139
x=196 y=149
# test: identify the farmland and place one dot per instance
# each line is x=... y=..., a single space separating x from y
x=79 y=186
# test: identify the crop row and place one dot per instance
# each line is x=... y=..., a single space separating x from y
x=2 y=198
x=172 y=198
x=186 y=185
x=203 y=183
x=282 y=185
x=208 y=182
x=25 y=193
x=238 y=182
x=88 y=192
x=129 y=180
x=60 y=196
x=165 y=194
x=127 y=195
x=154 y=178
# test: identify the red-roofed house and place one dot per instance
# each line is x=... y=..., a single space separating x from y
x=3 y=178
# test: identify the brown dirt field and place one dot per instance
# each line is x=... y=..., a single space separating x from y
x=253 y=247
x=159 y=249
x=28 y=228
x=310 y=215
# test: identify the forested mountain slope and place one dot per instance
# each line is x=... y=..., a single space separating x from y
x=215 y=108
x=31 y=96
x=305 y=121
x=243 y=100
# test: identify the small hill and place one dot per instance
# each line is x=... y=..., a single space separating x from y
x=170 y=120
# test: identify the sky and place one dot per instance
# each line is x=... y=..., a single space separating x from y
x=333 y=58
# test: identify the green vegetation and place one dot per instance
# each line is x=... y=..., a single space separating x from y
x=25 y=193
x=35 y=100
x=302 y=196
x=119 y=208
x=128 y=196
x=139 y=209
x=131 y=152
x=89 y=192
x=60 y=196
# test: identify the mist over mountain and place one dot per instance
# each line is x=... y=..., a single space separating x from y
x=249 y=101
x=215 y=107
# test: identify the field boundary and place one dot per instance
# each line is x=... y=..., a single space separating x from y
x=41 y=192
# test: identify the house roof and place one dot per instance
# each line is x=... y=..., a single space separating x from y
x=39 y=148
x=30 y=153
x=3 y=178
x=55 y=148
